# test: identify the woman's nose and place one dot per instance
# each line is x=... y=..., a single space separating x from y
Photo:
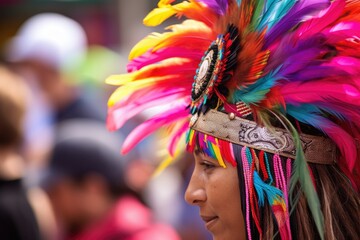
x=195 y=193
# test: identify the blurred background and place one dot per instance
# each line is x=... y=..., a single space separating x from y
x=61 y=172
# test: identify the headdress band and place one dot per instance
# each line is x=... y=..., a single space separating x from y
x=240 y=131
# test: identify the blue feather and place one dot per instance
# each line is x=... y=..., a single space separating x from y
x=305 y=113
x=273 y=12
x=297 y=14
x=263 y=189
x=256 y=92
x=311 y=114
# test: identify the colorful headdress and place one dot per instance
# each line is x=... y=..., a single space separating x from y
x=280 y=77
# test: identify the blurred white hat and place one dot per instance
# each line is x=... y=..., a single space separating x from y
x=51 y=38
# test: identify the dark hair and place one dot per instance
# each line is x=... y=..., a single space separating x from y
x=115 y=189
x=84 y=148
x=340 y=205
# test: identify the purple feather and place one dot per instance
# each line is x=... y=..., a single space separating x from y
x=297 y=14
x=337 y=68
x=218 y=6
x=316 y=72
x=290 y=46
x=299 y=61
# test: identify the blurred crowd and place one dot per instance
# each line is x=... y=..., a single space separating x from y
x=61 y=172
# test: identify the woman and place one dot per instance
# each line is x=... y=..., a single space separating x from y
x=19 y=215
x=274 y=106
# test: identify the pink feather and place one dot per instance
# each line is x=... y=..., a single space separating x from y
x=308 y=92
x=345 y=143
x=325 y=18
x=342 y=31
x=165 y=53
x=122 y=112
x=145 y=129
x=176 y=135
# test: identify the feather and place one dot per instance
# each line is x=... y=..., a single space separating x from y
x=301 y=174
x=273 y=11
x=176 y=135
x=192 y=33
x=251 y=48
x=126 y=90
x=165 y=163
x=257 y=15
x=122 y=111
x=166 y=68
x=254 y=93
x=298 y=13
x=191 y=9
x=218 y=6
x=342 y=31
x=159 y=15
x=341 y=138
x=146 y=44
x=151 y=125
x=308 y=92
x=299 y=61
x=267 y=191
x=323 y=20
x=170 y=52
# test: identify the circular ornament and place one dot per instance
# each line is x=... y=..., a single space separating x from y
x=215 y=70
x=207 y=74
x=204 y=74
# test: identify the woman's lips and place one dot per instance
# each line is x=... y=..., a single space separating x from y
x=209 y=221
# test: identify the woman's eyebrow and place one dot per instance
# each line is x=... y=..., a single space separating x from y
x=198 y=151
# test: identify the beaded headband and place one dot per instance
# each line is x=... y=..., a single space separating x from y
x=247 y=133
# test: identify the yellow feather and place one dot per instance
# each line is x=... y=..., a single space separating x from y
x=120 y=79
x=165 y=2
x=155 y=41
x=165 y=163
x=132 y=86
x=158 y=16
x=145 y=72
x=145 y=44
x=165 y=11
x=117 y=95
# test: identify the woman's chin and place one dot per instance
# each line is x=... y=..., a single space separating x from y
x=226 y=235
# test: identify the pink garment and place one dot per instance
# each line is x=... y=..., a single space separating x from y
x=129 y=220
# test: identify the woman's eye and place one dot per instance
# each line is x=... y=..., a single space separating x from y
x=207 y=165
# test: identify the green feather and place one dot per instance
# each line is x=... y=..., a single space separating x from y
x=302 y=175
x=256 y=18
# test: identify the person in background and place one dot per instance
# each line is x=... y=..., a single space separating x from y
x=47 y=51
x=85 y=182
x=17 y=218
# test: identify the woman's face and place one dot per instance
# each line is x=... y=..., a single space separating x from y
x=215 y=190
